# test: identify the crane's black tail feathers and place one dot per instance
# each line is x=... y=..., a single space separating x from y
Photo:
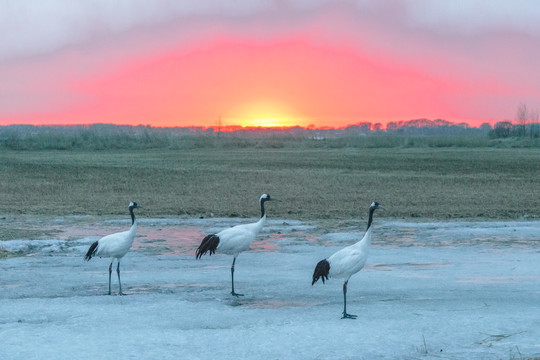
x=321 y=271
x=209 y=243
x=91 y=251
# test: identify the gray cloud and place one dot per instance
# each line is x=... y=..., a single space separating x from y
x=473 y=16
x=34 y=26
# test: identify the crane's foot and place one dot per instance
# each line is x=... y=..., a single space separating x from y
x=348 y=316
x=236 y=294
x=121 y=294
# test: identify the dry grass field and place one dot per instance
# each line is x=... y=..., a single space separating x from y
x=317 y=182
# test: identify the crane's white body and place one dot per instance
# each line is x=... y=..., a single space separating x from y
x=234 y=240
x=116 y=245
x=350 y=260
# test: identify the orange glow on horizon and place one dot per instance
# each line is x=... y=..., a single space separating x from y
x=264 y=113
x=267 y=122
x=278 y=85
x=278 y=64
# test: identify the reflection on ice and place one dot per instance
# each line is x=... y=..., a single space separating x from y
x=183 y=236
x=168 y=240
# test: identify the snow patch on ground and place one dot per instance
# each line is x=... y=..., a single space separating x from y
x=429 y=290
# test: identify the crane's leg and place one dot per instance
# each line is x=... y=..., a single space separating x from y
x=232 y=279
x=119 y=282
x=110 y=271
x=345 y=315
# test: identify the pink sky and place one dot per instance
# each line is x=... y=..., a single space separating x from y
x=327 y=63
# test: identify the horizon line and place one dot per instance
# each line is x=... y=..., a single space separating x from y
x=231 y=128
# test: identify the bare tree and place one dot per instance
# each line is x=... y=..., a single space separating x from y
x=522 y=116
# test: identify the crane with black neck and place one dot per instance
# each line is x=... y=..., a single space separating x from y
x=347 y=261
x=115 y=246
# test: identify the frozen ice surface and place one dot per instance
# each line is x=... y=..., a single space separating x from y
x=446 y=290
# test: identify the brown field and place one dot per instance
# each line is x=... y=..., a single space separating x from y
x=313 y=183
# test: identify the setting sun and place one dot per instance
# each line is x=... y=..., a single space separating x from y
x=268 y=122
x=264 y=113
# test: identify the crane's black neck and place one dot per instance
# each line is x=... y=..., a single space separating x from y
x=132 y=215
x=263 y=212
x=371 y=211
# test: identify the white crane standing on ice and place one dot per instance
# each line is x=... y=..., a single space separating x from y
x=234 y=240
x=115 y=246
x=347 y=261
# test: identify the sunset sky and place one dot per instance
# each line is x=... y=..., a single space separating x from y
x=267 y=63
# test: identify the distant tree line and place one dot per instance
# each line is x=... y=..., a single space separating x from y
x=85 y=133
x=417 y=132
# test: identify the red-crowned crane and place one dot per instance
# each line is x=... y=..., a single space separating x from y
x=347 y=261
x=234 y=240
x=115 y=246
